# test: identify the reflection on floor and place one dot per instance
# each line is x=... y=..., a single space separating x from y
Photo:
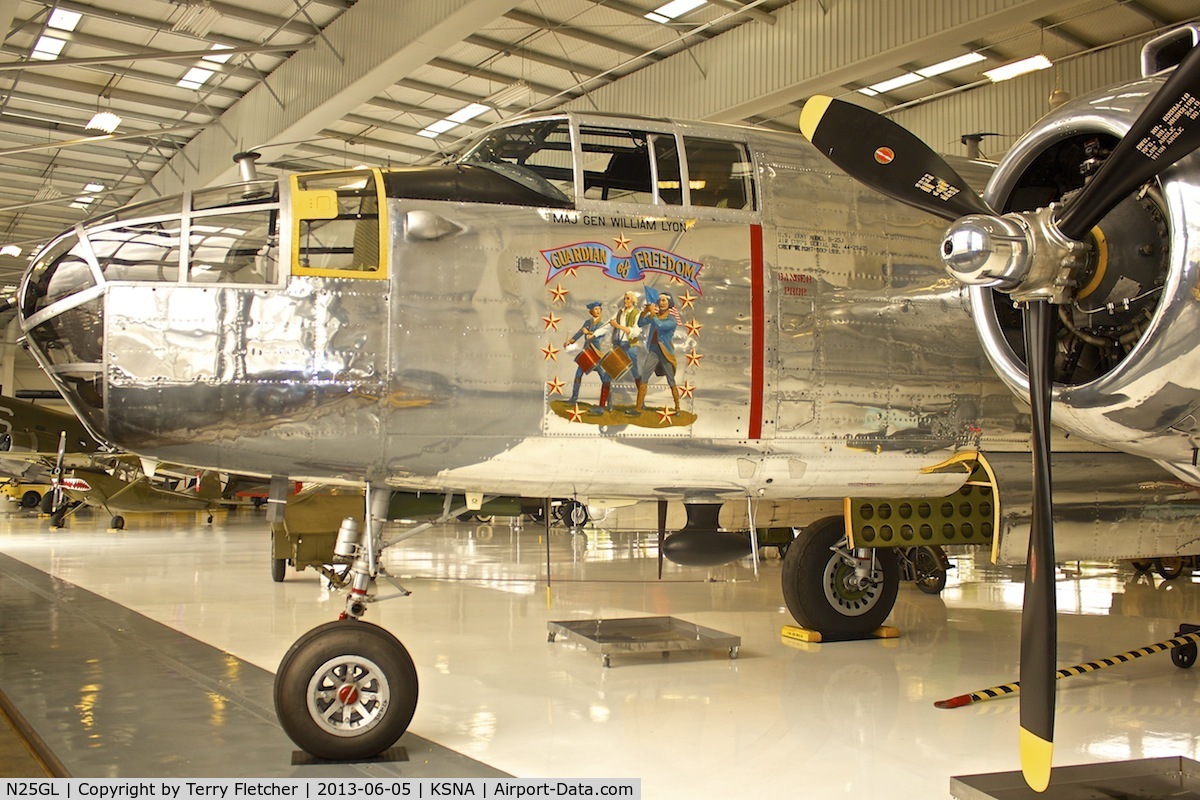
x=852 y=718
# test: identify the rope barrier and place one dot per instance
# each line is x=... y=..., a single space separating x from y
x=1180 y=641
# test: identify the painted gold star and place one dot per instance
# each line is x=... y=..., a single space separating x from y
x=570 y=271
x=555 y=386
x=664 y=415
x=576 y=414
x=693 y=359
x=550 y=352
x=622 y=243
x=558 y=294
x=687 y=299
x=687 y=390
x=551 y=321
x=693 y=327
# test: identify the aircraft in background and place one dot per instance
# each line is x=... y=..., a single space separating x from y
x=30 y=436
x=125 y=489
x=42 y=445
x=608 y=308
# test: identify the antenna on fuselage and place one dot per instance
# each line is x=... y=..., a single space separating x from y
x=247 y=169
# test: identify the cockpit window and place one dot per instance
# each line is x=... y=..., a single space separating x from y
x=535 y=154
x=151 y=208
x=61 y=269
x=338 y=229
x=628 y=166
x=139 y=251
x=239 y=247
x=241 y=194
x=721 y=174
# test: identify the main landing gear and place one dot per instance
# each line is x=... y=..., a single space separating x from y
x=841 y=592
x=347 y=690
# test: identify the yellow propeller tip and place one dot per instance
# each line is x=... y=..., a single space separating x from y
x=810 y=115
x=1036 y=755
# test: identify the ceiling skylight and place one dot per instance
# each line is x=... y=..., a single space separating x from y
x=64 y=20
x=895 y=83
x=48 y=48
x=196 y=77
x=1031 y=64
x=909 y=78
x=951 y=65
x=676 y=8
x=464 y=114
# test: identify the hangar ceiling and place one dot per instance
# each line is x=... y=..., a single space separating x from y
x=317 y=84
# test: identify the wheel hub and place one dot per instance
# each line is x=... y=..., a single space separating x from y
x=846 y=592
x=348 y=695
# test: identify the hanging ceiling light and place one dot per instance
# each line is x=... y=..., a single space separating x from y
x=46 y=192
x=10 y=250
x=197 y=17
x=508 y=95
x=105 y=121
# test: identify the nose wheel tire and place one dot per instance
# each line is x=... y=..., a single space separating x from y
x=346 y=691
x=822 y=591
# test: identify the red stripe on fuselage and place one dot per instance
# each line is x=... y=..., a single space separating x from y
x=757 y=333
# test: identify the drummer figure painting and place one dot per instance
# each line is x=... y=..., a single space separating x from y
x=589 y=357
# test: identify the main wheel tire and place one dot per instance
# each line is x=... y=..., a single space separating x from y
x=1169 y=567
x=117 y=523
x=346 y=691
x=278 y=569
x=818 y=593
x=46 y=506
x=30 y=499
x=931 y=572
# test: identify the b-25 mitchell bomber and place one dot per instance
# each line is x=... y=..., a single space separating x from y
x=587 y=306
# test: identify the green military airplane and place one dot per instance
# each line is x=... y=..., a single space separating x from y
x=41 y=445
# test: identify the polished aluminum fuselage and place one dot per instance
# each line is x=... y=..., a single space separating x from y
x=821 y=350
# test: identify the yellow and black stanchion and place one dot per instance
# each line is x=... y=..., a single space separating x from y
x=1183 y=649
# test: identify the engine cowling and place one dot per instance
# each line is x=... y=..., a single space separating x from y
x=1127 y=367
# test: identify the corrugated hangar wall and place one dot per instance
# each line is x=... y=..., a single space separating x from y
x=1012 y=107
x=757 y=68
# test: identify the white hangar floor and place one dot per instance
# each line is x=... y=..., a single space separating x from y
x=150 y=652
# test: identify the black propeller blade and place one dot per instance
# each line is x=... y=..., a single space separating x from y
x=881 y=154
x=1167 y=130
x=1039 y=624
x=830 y=124
x=878 y=152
